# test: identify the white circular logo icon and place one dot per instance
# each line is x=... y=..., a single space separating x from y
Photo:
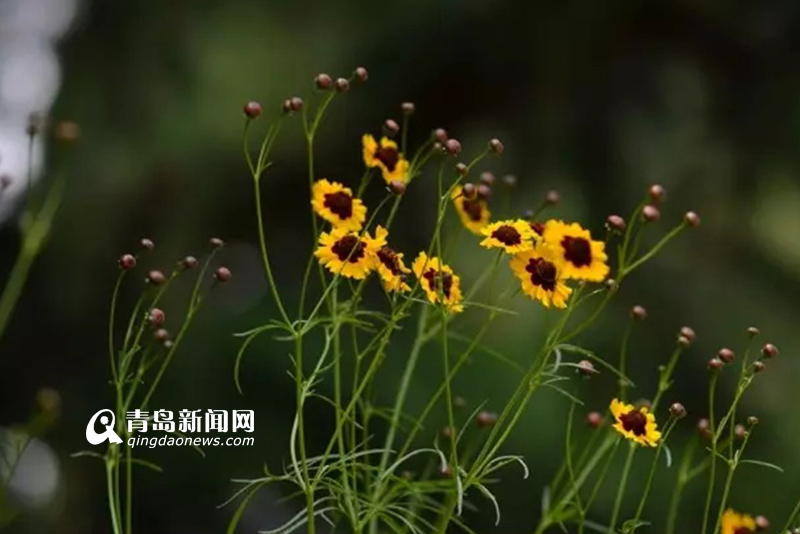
x=93 y=437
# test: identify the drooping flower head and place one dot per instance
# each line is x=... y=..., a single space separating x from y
x=473 y=212
x=336 y=204
x=511 y=236
x=736 y=523
x=584 y=259
x=437 y=279
x=636 y=424
x=387 y=157
x=347 y=253
x=391 y=267
x=542 y=275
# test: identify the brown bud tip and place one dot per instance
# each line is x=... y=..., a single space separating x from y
x=487 y=178
x=440 y=134
x=486 y=419
x=252 y=110
x=762 y=523
x=156 y=317
x=692 y=219
x=656 y=193
x=615 y=223
x=462 y=169
x=726 y=355
x=48 y=399
x=437 y=147
x=446 y=472
x=611 y=284
x=594 y=419
x=146 y=244
x=469 y=190
x=67 y=131
x=156 y=278
x=484 y=191
x=770 y=351
x=759 y=366
x=189 y=262
x=510 y=180
x=222 y=274
x=216 y=242
x=452 y=147
x=407 y=108
x=397 y=187
x=460 y=402
x=677 y=410
x=342 y=85
x=496 y=146
x=127 y=262
x=552 y=197
x=752 y=420
x=715 y=364
x=295 y=104
x=362 y=74
x=740 y=431
x=586 y=368
x=650 y=213
x=161 y=335
x=390 y=128
x=447 y=432
x=688 y=333
x=752 y=331
x=684 y=342
x=704 y=427
x=639 y=313
x=323 y=81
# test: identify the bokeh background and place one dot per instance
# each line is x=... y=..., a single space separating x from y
x=595 y=99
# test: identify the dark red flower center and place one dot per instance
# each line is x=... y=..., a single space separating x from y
x=577 y=251
x=389 y=259
x=339 y=203
x=507 y=235
x=634 y=421
x=543 y=273
x=349 y=247
x=433 y=277
x=538 y=228
x=387 y=155
x=473 y=209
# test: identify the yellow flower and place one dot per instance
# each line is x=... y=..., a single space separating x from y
x=335 y=203
x=391 y=268
x=735 y=523
x=474 y=213
x=583 y=258
x=386 y=156
x=347 y=253
x=636 y=424
x=511 y=236
x=541 y=275
x=430 y=272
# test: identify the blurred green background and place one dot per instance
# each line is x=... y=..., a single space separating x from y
x=595 y=99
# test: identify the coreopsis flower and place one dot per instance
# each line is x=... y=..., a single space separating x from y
x=736 y=523
x=473 y=212
x=511 y=236
x=347 y=253
x=431 y=272
x=390 y=265
x=336 y=204
x=583 y=258
x=542 y=275
x=636 y=424
x=387 y=157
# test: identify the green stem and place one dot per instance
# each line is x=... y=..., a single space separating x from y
x=623 y=483
x=680 y=484
x=713 y=471
x=653 y=467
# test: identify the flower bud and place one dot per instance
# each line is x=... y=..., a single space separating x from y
x=586 y=368
x=67 y=131
x=222 y=274
x=189 y=262
x=715 y=364
x=323 y=81
x=704 y=428
x=639 y=313
x=650 y=213
x=156 y=317
x=127 y=262
x=510 y=180
x=161 y=335
x=342 y=85
x=407 y=108
x=752 y=420
x=594 y=419
x=484 y=191
x=390 y=128
x=770 y=351
x=552 y=198
x=684 y=342
x=452 y=147
x=688 y=333
x=362 y=74
x=486 y=419
x=496 y=146
x=740 y=431
x=692 y=219
x=287 y=106
x=252 y=110
x=677 y=410
x=462 y=169
x=447 y=432
x=726 y=355
x=460 y=402
x=156 y=277
x=611 y=284
x=759 y=366
x=216 y=242
x=656 y=193
x=397 y=187
x=49 y=400
x=753 y=331
x=146 y=244
x=469 y=191
x=440 y=134
x=762 y=523
x=487 y=178
x=615 y=223
x=446 y=472
x=295 y=104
